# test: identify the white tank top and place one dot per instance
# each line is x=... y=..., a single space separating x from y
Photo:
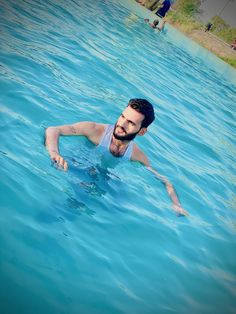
x=106 y=141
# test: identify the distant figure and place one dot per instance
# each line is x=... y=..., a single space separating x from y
x=155 y=24
x=208 y=26
x=161 y=28
x=233 y=45
x=165 y=6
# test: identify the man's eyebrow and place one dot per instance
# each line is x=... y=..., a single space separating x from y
x=128 y=119
x=131 y=122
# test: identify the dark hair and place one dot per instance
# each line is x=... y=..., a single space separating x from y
x=155 y=22
x=144 y=107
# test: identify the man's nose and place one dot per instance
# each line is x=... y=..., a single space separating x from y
x=123 y=123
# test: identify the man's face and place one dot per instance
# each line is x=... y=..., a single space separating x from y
x=129 y=125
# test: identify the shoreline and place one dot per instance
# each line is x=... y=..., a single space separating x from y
x=196 y=32
x=211 y=42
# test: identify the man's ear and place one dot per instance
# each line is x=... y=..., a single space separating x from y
x=142 y=131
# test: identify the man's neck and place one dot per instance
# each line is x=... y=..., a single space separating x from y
x=119 y=143
x=118 y=147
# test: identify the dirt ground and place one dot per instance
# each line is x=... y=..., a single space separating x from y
x=213 y=43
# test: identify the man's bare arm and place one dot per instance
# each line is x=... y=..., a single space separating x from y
x=138 y=155
x=171 y=192
x=91 y=130
x=51 y=142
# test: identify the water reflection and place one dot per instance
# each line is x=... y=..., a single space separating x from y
x=88 y=183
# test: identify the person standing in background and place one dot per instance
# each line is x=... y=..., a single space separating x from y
x=164 y=8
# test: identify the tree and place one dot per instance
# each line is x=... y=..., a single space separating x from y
x=218 y=23
x=222 y=29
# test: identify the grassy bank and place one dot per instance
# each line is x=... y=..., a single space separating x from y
x=210 y=40
x=184 y=23
x=229 y=61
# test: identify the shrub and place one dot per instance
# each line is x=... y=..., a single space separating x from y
x=187 y=7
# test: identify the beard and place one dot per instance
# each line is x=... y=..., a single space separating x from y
x=128 y=137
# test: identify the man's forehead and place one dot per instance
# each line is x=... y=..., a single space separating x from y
x=133 y=114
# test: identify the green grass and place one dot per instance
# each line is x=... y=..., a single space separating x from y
x=187 y=24
x=229 y=61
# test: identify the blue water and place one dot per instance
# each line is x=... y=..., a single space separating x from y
x=103 y=238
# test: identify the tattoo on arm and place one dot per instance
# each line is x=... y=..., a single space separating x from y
x=73 y=130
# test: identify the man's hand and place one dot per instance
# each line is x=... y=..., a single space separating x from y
x=179 y=210
x=171 y=191
x=51 y=142
x=93 y=131
x=59 y=160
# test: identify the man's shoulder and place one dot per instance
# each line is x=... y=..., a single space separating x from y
x=139 y=155
x=96 y=132
x=99 y=127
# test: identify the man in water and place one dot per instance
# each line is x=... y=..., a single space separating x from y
x=116 y=139
x=155 y=24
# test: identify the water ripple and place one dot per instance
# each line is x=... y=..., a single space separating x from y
x=107 y=232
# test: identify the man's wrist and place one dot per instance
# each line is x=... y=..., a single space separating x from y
x=53 y=153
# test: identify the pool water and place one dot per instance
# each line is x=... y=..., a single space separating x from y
x=102 y=237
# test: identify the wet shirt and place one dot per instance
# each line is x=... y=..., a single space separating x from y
x=106 y=141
